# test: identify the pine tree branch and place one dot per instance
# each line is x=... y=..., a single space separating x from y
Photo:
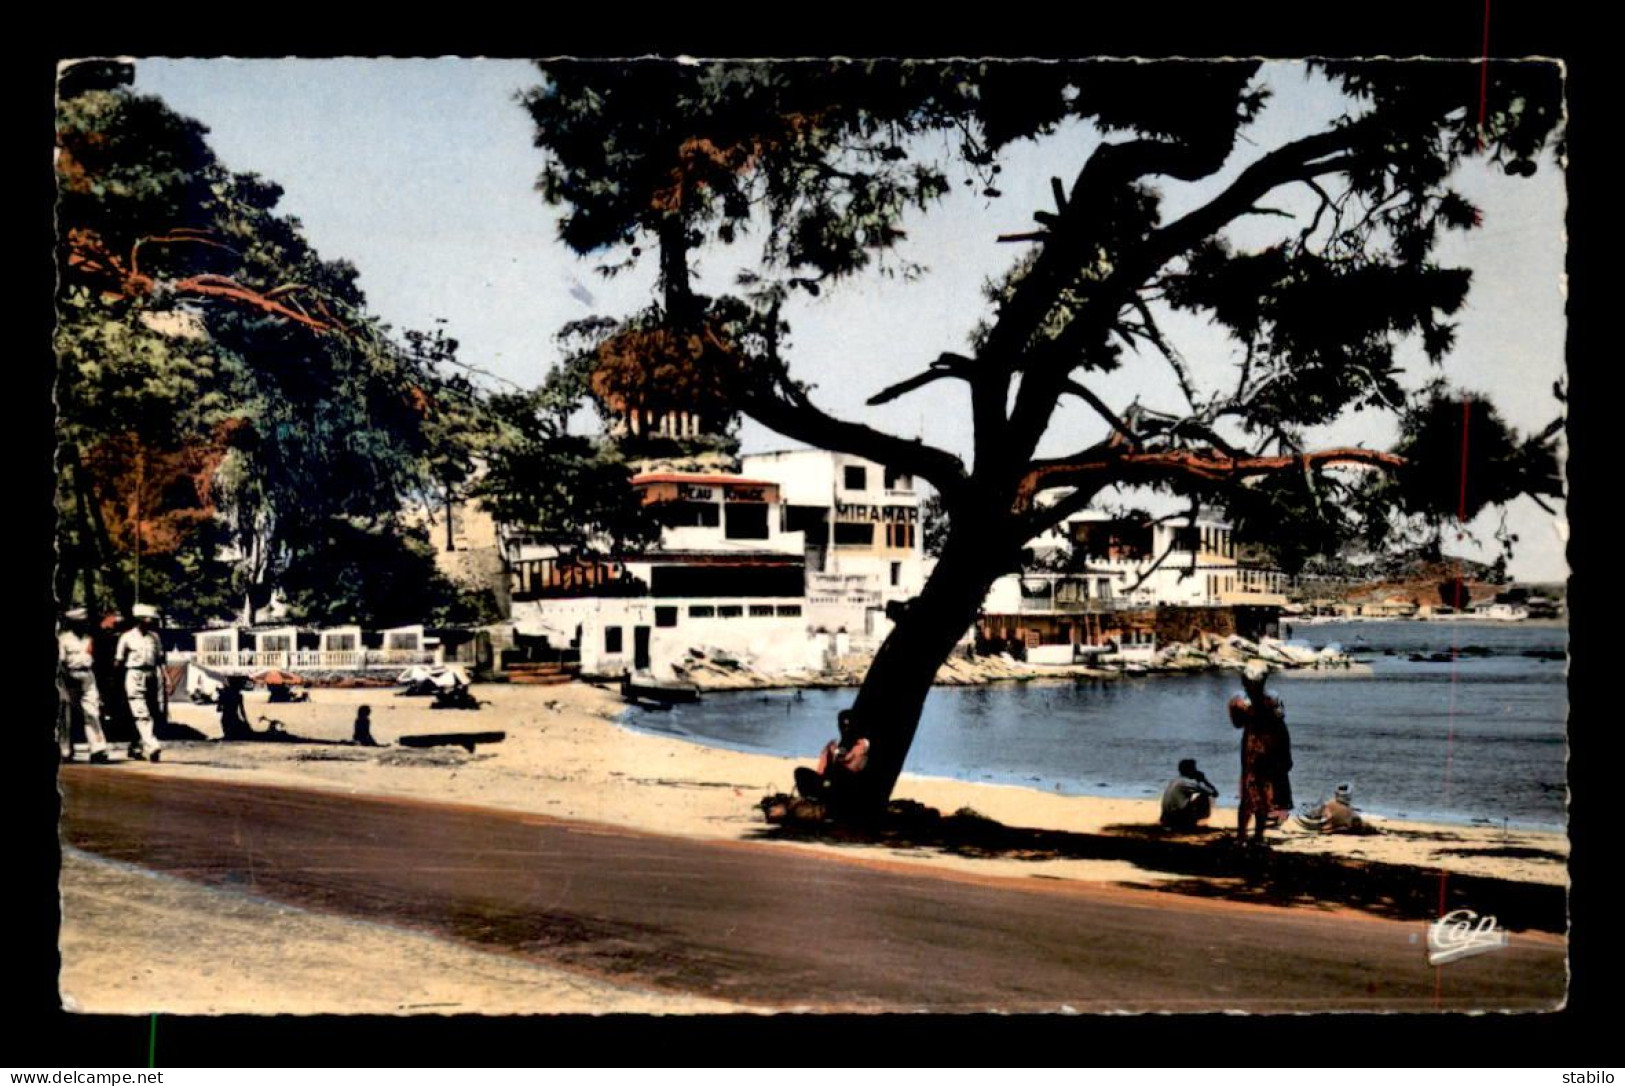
x=1107 y=465
x=784 y=406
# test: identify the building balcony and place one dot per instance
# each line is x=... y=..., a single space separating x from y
x=248 y=660
x=1029 y=605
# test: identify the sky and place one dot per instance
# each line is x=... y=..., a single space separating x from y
x=421 y=173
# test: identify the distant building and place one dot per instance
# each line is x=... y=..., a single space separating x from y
x=1101 y=576
x=238 y=650
x=1171 y=562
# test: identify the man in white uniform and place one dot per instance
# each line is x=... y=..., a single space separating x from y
x=140 y=653
x=73 y=647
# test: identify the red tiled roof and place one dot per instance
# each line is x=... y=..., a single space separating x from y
x=703 y=480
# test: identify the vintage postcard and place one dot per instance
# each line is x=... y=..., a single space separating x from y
x=689 y=536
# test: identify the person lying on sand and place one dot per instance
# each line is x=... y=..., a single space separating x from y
x=1336 y=815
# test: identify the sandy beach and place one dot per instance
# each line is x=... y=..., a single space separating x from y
x=565 y=756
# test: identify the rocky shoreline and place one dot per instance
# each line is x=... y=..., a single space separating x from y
x=1205 y=653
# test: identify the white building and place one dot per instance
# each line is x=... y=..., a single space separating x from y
x=727 y=581
x=864 y=536
x=791 y=560
x=1169 y=562
x=338 y=648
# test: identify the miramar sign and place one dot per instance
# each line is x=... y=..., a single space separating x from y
x=854 y=512
x=1461 y=934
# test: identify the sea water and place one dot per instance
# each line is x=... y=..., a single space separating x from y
x=1480 y=737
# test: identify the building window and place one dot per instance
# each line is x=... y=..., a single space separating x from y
x=900 y=536
x=401 y=642
x=747 y=521
x=854 y=535
x=702 y=610
x=687 y=514
x=731 y=610
x=612 y=639
x=899 y=480
x=761 y=610
x=275 y=643
x=665 y=616
x=216 y=644
x=896 y=573
x=857 y=478
x=789 y=610
x=812 y=519
x=344 y=642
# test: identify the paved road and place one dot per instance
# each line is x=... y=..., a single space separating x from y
x=766 y=924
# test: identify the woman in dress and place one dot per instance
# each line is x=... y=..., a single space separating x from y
x=1266 y=752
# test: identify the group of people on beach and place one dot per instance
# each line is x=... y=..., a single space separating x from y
x=1266 y=766
x=137 y=664
x=1265 y=794
x=138 y=660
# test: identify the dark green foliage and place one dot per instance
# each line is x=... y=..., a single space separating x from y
x=1437 y=482
x=564 y=488
x=377 y=579
x=1294 y=516
x=199 y=335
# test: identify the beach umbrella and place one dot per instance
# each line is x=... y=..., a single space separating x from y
x=277 y=677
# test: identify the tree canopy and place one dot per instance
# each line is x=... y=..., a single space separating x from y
x=824 y=161
x=227 y=408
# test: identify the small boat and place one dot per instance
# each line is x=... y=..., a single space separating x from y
x=466 y=740
x=639 y=688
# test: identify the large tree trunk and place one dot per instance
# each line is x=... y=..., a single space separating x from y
x=894 y=691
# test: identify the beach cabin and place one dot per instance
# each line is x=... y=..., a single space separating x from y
x=340 y=646
x=216 y=648
x=274 y=647
x=405 y=645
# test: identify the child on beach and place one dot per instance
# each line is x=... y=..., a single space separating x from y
x=363 y=728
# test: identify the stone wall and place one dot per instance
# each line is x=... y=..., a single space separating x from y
x=1185 y=623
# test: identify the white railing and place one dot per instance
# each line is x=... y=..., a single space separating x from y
x=315 y=659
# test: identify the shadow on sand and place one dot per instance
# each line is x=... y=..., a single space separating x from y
x=1212 y=864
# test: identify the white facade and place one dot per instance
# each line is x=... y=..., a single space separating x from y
x=1171 y=562
x=339 y=648
x=865 y=541
x=652 y=634
x=778 y=567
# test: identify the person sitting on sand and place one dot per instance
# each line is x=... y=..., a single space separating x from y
x=1188 y=799
x=839 y=763
x=363 y=728
x=233 y=719
x=1336 y=815
x=282 y=693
